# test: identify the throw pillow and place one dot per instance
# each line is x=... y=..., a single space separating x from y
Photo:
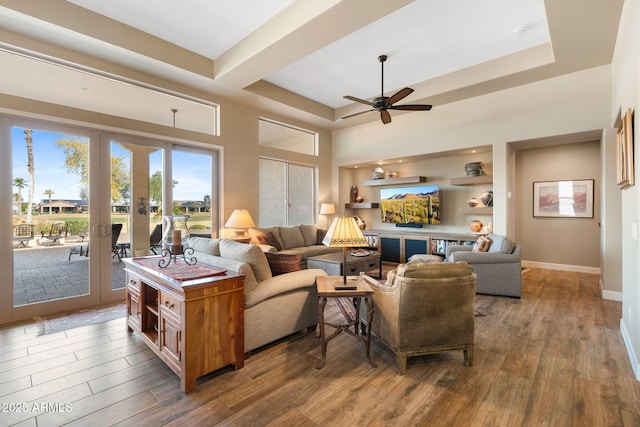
x=321 y=234
x=291 y=237
x=309 y=234
x=268 y=239
x=482 y=244
x=283 y=263
x=251 y=254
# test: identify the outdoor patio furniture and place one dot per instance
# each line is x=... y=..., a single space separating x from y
x=82 y=250
x=58 y=231
x=155 y=239
x=22 y=234
x=115 y=234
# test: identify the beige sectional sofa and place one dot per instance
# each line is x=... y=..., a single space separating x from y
x=302 y=240
x=274 y=306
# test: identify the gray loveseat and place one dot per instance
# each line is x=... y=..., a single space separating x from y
x=274 y=306
x=302 y=240
x=498 y=269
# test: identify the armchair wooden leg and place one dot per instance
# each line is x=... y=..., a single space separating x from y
x=468 y=355
x=401 y=362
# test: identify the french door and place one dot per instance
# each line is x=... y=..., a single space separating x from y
x=57 y=179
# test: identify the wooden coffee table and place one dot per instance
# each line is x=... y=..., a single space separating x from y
x=325 y=285
x=332 y=263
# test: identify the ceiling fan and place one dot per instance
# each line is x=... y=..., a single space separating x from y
x=386 y=103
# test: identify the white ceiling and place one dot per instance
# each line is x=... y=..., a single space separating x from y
x=300 y=57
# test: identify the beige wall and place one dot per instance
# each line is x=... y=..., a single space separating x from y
x=626 y=94
x=568 y=241
x=563 y=105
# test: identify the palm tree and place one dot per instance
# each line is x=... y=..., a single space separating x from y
x=20 y=184
x=49 y=193
x=31 y=167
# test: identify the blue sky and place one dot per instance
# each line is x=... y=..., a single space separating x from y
x=192 y=171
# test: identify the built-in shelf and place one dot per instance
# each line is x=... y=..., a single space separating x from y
x=479 y=210
x=362 y=205
x=394 y=181
x=472 y=180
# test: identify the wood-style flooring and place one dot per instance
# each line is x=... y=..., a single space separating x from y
x=553 y=358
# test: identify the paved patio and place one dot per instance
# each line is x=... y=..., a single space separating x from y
x=45 y=273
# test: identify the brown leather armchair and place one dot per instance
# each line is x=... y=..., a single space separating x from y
x=425 y=308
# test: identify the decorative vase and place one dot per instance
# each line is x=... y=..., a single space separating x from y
x=359 y=199
x=354 y=194
x=360 y=222
x=487 y=198
x=472 y=202
x=392 y=174
x=475 y=226
x=378 y=173
x=175 y=231
x=473 y=168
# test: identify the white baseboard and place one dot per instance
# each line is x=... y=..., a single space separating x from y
x=563 y=267
x=633 y=357
x=610 y=295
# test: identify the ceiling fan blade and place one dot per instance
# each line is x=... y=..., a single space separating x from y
x=411 y=107
x=353 y=98
x=399 y=95
x=385 y=116
x=357 y=114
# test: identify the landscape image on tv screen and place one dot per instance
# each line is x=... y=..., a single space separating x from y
x=410 y=205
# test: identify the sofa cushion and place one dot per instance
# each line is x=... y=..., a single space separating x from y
x=291 y=237
x=500 y=244
x=283 y=263
x=205 y=245
x=251 y=254
x=482 y=244
x=309 y=234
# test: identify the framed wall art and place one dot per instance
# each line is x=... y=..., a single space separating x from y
x=563 y=199
x=624 y=151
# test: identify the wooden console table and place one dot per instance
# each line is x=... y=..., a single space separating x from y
x=194 y=326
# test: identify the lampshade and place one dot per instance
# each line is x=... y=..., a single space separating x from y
x=327 y=209
x=344 y=233
x=240 y=219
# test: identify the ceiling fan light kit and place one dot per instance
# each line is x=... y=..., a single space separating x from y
x=385 y=103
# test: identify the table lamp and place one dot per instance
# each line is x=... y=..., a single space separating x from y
x=327 y=209
x=241 y=220
x=344 y=233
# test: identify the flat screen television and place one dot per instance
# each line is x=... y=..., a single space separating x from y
x=410 y=205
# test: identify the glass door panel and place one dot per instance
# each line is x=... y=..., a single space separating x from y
x=192 y=189
x=50 y=179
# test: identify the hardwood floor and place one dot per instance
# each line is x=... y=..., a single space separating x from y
x=553 y=358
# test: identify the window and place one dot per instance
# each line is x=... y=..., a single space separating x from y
x=286 y=137
x=286 y=193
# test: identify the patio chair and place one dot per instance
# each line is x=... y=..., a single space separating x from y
x=58 y=231
x=82 y=250
x=22 y=234
x=115 y=234
x=155 y=239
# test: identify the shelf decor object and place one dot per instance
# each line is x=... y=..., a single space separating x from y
x=563 y=199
